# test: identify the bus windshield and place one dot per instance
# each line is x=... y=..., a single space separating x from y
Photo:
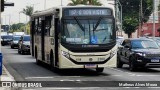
x=88 y=31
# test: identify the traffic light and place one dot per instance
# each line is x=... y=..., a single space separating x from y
x=2 y=5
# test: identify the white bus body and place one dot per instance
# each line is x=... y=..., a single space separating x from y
x=74 y=37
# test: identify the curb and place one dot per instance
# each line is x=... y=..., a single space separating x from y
x=6 y=76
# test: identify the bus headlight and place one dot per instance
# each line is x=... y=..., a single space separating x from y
x=113 y=53
x=66 y=54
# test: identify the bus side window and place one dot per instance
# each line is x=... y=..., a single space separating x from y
x=52 y=26
x=48 y=25
x=36 y=26
x=39 y=26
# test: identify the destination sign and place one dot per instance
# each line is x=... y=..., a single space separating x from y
x=87 y=12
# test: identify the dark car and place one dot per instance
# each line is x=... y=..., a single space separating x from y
x=6 y=39
x=24 y=44
x=139 y=53
x=14 y=42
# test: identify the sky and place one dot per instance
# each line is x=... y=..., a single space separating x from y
x=13 y=14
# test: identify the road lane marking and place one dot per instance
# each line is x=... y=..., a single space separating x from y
x=51 y=77
x=37 y=77
x=64 y=88
x=148 y=75
x=131 y=74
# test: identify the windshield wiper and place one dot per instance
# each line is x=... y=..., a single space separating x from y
x=105 y=38
x=100 y=29
x=137 y=47
x=79 y=24
x=97 y=24
x=152 y=47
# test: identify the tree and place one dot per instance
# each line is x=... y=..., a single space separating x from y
x=159 y=7
x=131 y=14
x=17 y=27
x=84 y=2
x=28 y=10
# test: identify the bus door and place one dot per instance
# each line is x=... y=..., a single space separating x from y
x=47 y=41
x=56 y=40
x=42 y=38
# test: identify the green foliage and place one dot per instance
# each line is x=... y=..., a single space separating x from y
x=28 y=10
x=17 y=27
x=85 y=2
x=131 y=14
x=20 y=27
x=159 y=7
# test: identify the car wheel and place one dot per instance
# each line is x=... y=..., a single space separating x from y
x=132 y=66
x=12 y=47
x=36 y=56
x=119 y=62
x=99 y=70
x=19 y=51
x=22 y=52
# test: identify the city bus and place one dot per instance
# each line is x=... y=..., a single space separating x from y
x=68 y=37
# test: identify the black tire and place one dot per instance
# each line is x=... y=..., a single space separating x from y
x=99 y=70
x=19 y=51
x=52 y=65
x=132 y=66
x=119 y=62
x=36 y=56
x=12 y=47
x=22 y=52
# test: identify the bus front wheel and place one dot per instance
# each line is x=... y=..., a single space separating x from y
x=36 y=56
x=99 y=69
x=52 y=65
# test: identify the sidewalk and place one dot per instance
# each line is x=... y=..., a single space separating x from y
x=6 y=76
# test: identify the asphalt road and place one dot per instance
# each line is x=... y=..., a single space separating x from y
x=24 y=68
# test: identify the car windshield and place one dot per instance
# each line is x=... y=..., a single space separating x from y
x=88 y=31
x=6 y=37
x=16 y=38
x=144 y=44
x=26 y=38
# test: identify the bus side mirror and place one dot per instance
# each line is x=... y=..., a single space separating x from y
x=128 y=47
x=120 y=47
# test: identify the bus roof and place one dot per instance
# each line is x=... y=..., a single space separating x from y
x=55 y=9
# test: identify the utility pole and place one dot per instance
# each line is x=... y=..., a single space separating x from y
x=9 y=21
x=153 y=33
x=121 y=13
x=141 y=19
x=61 y=3
x=44 y=4
x=0 y=29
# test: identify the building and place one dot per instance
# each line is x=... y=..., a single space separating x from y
x=147 y=28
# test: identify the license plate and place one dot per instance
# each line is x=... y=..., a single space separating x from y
x=155 y=60
x=90 y=66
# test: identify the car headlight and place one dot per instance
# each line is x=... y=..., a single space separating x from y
x=141 y=54
x=66 y=54
x=113 y=53
x=15 y=42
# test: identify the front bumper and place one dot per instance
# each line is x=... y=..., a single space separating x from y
x=14 y=45
x=149 y=62
x=26 y=48
x=5 y=42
